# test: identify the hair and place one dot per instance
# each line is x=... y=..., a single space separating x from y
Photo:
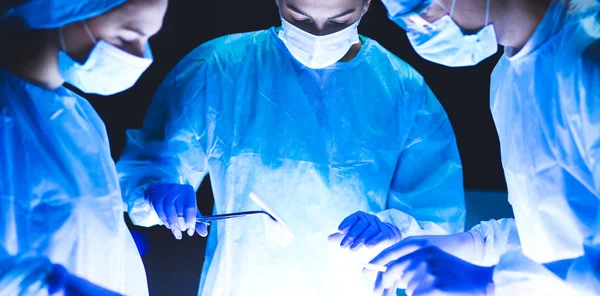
x=23 y=44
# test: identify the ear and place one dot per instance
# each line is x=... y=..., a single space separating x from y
x=367 y=5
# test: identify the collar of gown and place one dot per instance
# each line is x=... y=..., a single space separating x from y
x=551 y=23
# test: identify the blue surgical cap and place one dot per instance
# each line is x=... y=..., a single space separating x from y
x=400 y=7
x=49 y=14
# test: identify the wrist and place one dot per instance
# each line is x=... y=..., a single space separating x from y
x=478 y=246
x=396 y=231
x=490 y=287
x=57 y=279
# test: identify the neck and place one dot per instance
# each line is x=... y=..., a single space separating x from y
x=516 y=20
x=33 y=56
x=353 y=52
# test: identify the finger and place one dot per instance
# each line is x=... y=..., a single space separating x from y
x=176 y=232
x=416 y=270
x=378 y=288
x=393 y=289
x=393 y=273
x=338 y=236
x=368 y=234
x=422 y=283
x=171 y=213
x=202 y=229
x=160 y=211
x=354 y=232
x=397 y=268
x=397 y=251
x=349 y=221
x=191 y=211
x=179 y=200
x=376 y=240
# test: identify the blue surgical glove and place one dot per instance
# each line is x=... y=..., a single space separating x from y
x=176 y=206
x=362 y=229
x=431 y=271
x=467 y=246
x=60 y=280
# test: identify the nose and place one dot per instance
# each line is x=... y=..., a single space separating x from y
x=320 y=29
x=136 y=48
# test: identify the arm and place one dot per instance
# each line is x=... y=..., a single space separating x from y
x=169 y=147
x=426 y=194
x=577 y=276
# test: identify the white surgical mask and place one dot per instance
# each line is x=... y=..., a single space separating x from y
x=107 y=71
x=318 y=51
x=443 y=42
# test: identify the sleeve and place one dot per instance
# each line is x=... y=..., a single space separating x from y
x=168 y=148
x=516 y=273
x=499 y=237
x=20 y=273
x=426 y=195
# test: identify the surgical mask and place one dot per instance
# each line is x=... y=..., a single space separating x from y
x=107 y=71
x=318 y=51
x=443 y=42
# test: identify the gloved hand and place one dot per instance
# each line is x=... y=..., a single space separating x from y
x=175 y=205
x=61 y=281
x=467 y=246
x=362 y=229
x=430 y=271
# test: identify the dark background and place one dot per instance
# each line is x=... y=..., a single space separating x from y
x=173 y=267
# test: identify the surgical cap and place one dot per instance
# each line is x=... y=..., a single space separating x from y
x=400 y=7
x=49 y=14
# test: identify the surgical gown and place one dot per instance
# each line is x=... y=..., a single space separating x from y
x=60 y=200
x=545 y=101
x=316 y=145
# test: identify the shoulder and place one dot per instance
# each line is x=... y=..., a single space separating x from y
x=223 y=51
x=394 y=71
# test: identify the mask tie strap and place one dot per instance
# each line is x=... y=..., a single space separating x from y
x=487 y=13
x=61 y=39
x=89 y=32
x=452 y=8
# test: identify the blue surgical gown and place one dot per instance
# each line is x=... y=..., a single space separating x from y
x=60 y=200
x=545 y=101
x=316 y=145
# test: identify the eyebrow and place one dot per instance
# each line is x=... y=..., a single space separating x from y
x=345 y=13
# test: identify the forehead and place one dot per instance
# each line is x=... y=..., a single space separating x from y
x=145 y=15
x=325 y=6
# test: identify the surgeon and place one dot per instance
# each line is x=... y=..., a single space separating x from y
x=331 y=130
x=545 y=99
x=62 y=230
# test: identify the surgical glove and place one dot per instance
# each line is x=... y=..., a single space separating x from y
x=365 y=229
x=431 y=271
x=467 y=246
x=175 y=205
x=60 y=280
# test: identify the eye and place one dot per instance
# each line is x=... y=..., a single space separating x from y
x=304 y=20
x=124 y=41
x=336 y=22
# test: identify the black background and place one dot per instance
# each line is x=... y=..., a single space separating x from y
x=173 y=267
